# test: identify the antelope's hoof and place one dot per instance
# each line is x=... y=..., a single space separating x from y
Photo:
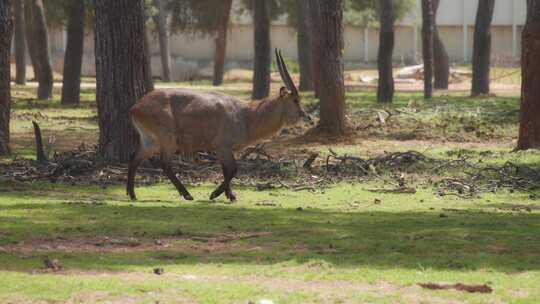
x=215 y=194
x=231 y=196
x=188 y=197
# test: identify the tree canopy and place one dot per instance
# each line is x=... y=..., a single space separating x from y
x=365 y=12
x=197 y=17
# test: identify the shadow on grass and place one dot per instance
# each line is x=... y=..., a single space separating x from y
x=459 y=240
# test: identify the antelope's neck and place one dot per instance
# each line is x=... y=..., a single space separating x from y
x=266 y=118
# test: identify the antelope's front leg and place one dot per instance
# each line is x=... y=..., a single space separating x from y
x=228 y=165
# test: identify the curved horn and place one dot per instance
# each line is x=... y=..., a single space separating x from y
x=284 y=72
x=280 y=69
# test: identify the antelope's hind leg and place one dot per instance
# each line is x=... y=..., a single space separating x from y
x=165 y=163
x=137 y=158
x=229 y=167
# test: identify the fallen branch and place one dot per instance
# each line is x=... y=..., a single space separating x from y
x=401 y=190
x=461 y=287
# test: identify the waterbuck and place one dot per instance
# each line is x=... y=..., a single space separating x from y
x=183 y=120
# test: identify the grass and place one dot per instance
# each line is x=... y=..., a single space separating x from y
x=339 y=236
x=342 y=245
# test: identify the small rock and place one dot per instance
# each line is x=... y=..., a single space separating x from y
x=299 y=209
x=53 y=264
x=442 y=215
x=159 y=271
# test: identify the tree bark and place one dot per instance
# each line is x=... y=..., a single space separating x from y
x=148 y=75
x=71 y=82
x=529 y=131
x=427 y=46
x=6 y=32
x=385 y=91
x=332 y=88
x=221 y=44
x=120 y=73
x=37 y=38
x=163 y=36
x=262 y=60
x=20 y=42
x=440 y=56
x=315 y=21
x=305 y=52
x=482 y=47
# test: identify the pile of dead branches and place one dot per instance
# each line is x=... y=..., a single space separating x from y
x=476 y=179
x=398 y=172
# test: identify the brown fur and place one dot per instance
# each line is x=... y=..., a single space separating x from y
x=183 y=120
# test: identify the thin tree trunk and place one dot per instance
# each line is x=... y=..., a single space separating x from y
x=482 y=47
x=332 y=88
x=148 y=76
x=315 y=21
x=29 y=33
x=262 y=60
x=20 y=42
x=440 y=56
x=221 y=44
x=305 y=52
x=529 y=131
x=163 y=35
x=120 y=73
x=6 y=32
x=385 y=91
x=37 y=37
x=71 y=86
x=427 y=46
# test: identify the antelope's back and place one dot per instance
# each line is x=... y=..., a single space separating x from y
x=196 y=120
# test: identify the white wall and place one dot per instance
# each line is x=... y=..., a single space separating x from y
x=455 y=20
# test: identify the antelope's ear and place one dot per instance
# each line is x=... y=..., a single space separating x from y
x=283 y=92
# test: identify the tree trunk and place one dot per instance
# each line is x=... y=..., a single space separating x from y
x=163 y=36
x=332 y=88
x=6 y=32
x=120 y=73
x=221 y=44
x=71 y=86
x=385 y=91
x=148 y=76
x=262 y=60
x=440 y=56
x=37 y=37
x=305 y=59
x=427 y=46
x=529 y=131
x=482 y=47
x=29 y=34
x=315 y=21
x=20 y=42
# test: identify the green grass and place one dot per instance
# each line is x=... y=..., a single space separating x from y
x=343 y=244
x=339 y=236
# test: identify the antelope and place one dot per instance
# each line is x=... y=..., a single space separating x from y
x=174 y=121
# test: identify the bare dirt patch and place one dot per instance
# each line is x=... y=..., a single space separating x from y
x=331 y=290
x=217 y=244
